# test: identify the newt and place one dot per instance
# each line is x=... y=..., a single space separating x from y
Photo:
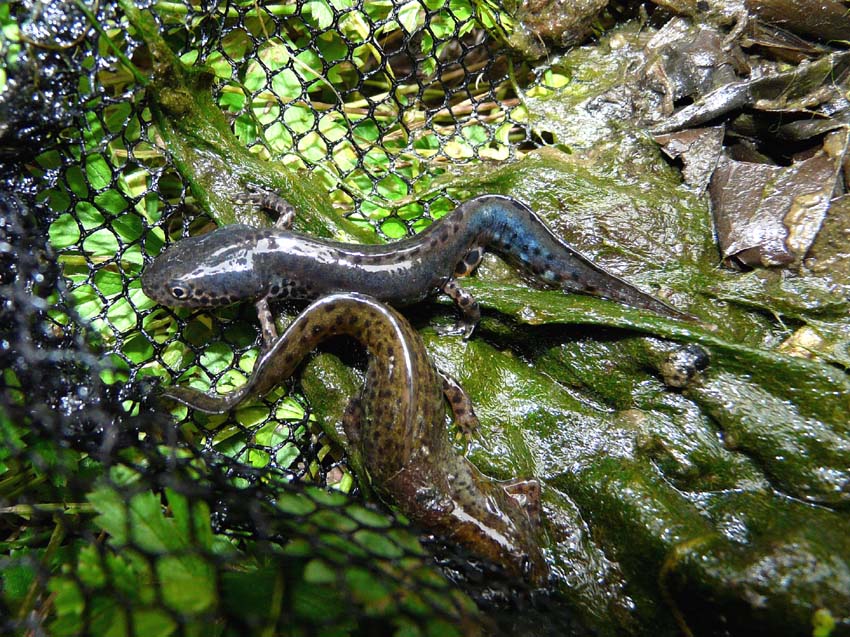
x=238 y=263
x=398 y=426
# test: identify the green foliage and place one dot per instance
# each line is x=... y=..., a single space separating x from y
x=161 y=558
x=823 y=623
x=10 y=44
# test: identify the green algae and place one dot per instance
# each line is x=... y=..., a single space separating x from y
x=719 y=505
x=217 y=167
x=655 y=494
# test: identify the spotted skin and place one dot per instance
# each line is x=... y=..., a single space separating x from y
x=264 y=199
x=398 y=425
x=468 y=305
x=463 y=412
x=240 y=263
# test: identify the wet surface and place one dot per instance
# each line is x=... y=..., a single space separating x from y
x=695 y=477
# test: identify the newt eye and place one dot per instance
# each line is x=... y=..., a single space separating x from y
x=178 y=292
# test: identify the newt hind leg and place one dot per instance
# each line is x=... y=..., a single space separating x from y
x=470 y=311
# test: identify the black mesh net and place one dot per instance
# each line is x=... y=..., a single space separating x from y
x=120 y=518
x=685 y=490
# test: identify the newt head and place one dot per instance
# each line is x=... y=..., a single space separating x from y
x=209 y=270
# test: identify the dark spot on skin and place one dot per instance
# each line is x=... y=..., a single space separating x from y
x=444 y=235
x=357 y=259
x=275 y=290
x=460 y=411
x=457 y=398
x=536 y=251
x=352 y=320
x=317 y=329
x=590 y=287
x=390 y=351
x=330 y=307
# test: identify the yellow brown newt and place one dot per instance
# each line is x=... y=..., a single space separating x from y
x=398 y=426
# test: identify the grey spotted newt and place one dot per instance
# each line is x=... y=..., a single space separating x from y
x=241 y=263
x=398 y=426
